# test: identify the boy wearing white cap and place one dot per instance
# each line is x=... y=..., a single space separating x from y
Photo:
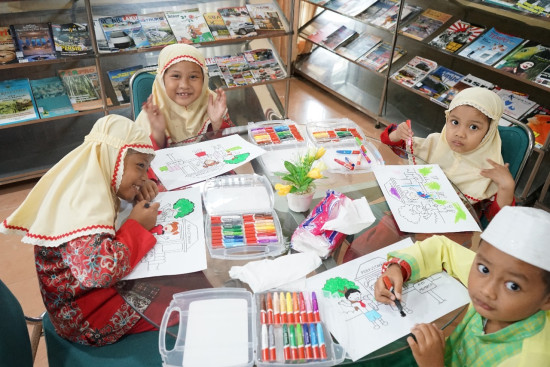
x=508 y=321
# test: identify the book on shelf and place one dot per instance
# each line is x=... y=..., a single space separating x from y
x=544 y=77
x=515 y=104
x=156 y=29
x=538 y=119
x=215 y=76
x=238 y=21
x=538 y=7
x=378 y=57
x=425 y=24
x=263 y=64
x=16 y=102
x=101 y=41
x=265 y=17
x=388 y=19
x=124 y=32
x=359 y=46
x=189 y=26
x=466 y=82
x=50 y=97
x=414 y=71
x=526 y=61
x=490 y=47
x=235 y=70
x=355 y=7
x=120 y=81
x=376 y=10
x=317 y=35
x=34 y=42
x=457 y=35
x=217 y=26
x=7 y=47
x=72 y=39
x=82 y=86
x=438 y=82
x=340 y=36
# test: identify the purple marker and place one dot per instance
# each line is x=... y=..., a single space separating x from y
x=315 y=306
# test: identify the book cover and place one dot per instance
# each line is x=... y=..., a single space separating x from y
x=322 y=33
x=359 y=46
x=538 y=7
x=265 y=17
x=355 y=7
x=72 y=39
x=527 y=61
x=388 y=19
x=7 y=47
x=101 y=41
x=50 y=97
x=538 y=119
x=263 y=64
x=438 y=82
x=340 y=36
x=235 y=70
x=238 y=21
x=157 y=30
x=466 y=82
x=457 y=35
x=124 y=32
x=34 y=42
x=378 y=57
x=414 y=71
x=120 y=81
x=215 y=76
x=544 y=77
x=189 y=26
x=515 y=105
x=82 y=86
x=425 y=24
x=217 y=25
x=16 y=102
x=490 y=47
x=375 y=10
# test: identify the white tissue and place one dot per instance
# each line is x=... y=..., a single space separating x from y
x=353 y=216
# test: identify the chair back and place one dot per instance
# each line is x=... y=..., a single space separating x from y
x=141 y=86
x=517 y=143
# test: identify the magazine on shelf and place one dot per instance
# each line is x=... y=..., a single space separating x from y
x=101 y=41
x=120 y=81
x=490 y=47
x=82 y=86
x=378 y=57
x=265 y=17
x=457 y=35
x=215 y=76
x=335 y=4
x=510 y=4
x=414 y=71
x=235 y=70
x=189 y=26
x=515 y=105
x=157 y=30
x=238 y=21
x=7 y=47
x=538 y=119
x=217 y=26
x=72 y=39
x=319 y=2
x=388 y=19
x=321 y=33
x=466 y=82
x=425 y=24
x=538 y=7
x=438 y=82
x=355 y=7
x=544 y=77
x=264 y=65
x=526 y=61
x=34 y=42
x=377 y=9
x=359 y=46
x=341 y=36
x=16 y=102
x=124 y=32
x=50 y=97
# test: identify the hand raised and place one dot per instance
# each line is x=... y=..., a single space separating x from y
x=216 y=108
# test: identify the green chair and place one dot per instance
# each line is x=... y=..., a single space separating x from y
x=517 y=143
x=141 y=85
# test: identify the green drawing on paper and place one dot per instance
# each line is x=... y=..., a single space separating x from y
x=425 y=171
x=184 y=207
x=239 y=158
x=234 y=148
x=460 y=214
x=433 y=185
x=440 y=202
x=339 y=286
x=163 y=169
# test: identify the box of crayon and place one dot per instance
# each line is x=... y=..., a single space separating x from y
x=276 y=133
x=241 y=222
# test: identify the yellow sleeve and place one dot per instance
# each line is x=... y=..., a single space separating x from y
x=435 y=254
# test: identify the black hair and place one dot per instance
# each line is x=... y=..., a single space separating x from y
x=350 y=291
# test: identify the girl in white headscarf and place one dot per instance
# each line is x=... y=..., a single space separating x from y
x=181 y=105
x=69 y=217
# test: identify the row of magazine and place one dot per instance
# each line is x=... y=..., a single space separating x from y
x=45 y=41
x=537 y=7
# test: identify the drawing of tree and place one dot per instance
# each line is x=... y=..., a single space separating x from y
x=339 y=286
x=183 y=207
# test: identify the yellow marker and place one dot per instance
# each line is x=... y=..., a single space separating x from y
x=282 y=305
x=289 y=312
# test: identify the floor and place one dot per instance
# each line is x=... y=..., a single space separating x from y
x=17 y=269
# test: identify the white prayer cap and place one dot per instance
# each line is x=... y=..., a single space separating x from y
x=521 y=232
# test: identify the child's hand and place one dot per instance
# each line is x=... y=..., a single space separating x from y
x=156 y=121
x=429 y=347
x=501 y=175
x=145 y=213
x=403 y=132
x=381 y=293
x=216 y=108
x=148 y=192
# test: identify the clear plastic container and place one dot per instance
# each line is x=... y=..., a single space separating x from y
x=276 y=133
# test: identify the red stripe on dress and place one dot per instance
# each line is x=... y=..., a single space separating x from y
x=52 y=238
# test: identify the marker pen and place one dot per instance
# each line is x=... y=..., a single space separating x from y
x=276 y=309
x=303 y=313
x=296 y=307
x=321 y=338
x=314 y=343
x=342 y=163
x=286 y=344
x=293 y=347
x=282 y=304
x=315 y=307
x=300 y=342
x=265 y=343
x=272 y=348
x=308 y=308
x=289 y=312
x=409 y=141
x=269 y=309
x=307 y=342
x=347 y=152
x=362 y=149
x=263 y=315
x=388 y=284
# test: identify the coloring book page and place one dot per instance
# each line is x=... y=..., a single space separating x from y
x=188 y=164
x=422 y=200
x=362 y=325
x=180 y=246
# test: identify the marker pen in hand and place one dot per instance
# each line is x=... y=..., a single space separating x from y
x=147 y=205
x=409 y=140
x=388 y=284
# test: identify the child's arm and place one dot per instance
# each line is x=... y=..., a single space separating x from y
x=148 y=191
x=429 y=347
x=217 y=109
x=502 y=177
x=396 y=134
x=156 y=121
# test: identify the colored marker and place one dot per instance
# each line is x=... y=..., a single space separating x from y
x=269 y=309
x=321 y=338
x=358 y=162
x=289 y=312
x=315 y=307
x=345 y=164
x=314 y=343
x=276 y=309
x=272 y=348
x=303 y=313
x=409 y=140
x=388 y=284
x=263 y=315
x=362 y=149
x=307 y=342
x=300 y=342
x=282 y=303
x=296 y=307
x=308 y=309
x=286 y=344
x=293 y=347
x=265 y=343
x=348 y=152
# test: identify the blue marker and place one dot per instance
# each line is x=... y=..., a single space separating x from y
x=348 y=152
x=321 y=337
x=314 y=344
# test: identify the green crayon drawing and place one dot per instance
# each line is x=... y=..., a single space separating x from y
x=433 y=185
x=460 y=214
x=183 y=207
x=233 y=148
x=338 y=286
x=425 y=171
x=440 y=201
x=163 y=169
x=239 y=158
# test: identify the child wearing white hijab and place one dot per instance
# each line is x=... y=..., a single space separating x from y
x=69 y=217
x=181 y=105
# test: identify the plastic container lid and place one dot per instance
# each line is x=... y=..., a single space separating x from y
x=275 y=134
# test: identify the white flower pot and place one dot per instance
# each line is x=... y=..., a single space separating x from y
x=299 y=202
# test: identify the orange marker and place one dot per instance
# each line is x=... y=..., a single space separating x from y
x=296 y=307
x=282 y=304
x=269 y=309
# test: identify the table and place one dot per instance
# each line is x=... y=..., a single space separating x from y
x=151 y=296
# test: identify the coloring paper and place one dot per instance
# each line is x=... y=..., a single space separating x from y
x=422 y=200
x=180 y=247
x=188 y=164
x=362 y=325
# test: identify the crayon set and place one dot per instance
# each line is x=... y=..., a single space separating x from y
x=335 y=135
x=275 y=134
x=243 y=230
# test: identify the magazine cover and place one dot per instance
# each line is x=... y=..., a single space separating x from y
x=50 y=97
x=377 y=59
x=217 y=26
x=16 y=102
x=468 y=81
x=544 y=77
x=340 y=36
x=120 y=80
x=335 y=4
x=189 y=26
x=414 y=71
x=527 y=61
x=82 y=86
x=265 y=17
x=157 y=30
x=457 y=35
x=490 y=47
x=72 y=39
x=425 y=24
x=438 y=82
x=7 y=47
x=34 y=42
x=355 y=7
x=538 y=119
x=538 y=7
x=237 y=20
x=102 y=44
x=377 y=9
x=515 y=105
x=215 y=76
x=388 y=19
x=322 y=33
x=124 y=32
x=235 y=70
x=264 y=65
x=359 y=46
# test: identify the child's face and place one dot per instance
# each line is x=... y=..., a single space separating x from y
x=504 y=289
x=465 y=128
x=183 y=82
x=134 y=176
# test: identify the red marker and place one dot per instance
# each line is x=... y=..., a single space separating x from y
x=345 y=164
x=409 y=141
x=269 y=309
x=263 y=316
x=303 y=313
x=265 y=343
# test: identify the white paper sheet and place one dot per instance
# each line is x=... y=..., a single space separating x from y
x=188 y=164
x=351 y=324
x=422 y=200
